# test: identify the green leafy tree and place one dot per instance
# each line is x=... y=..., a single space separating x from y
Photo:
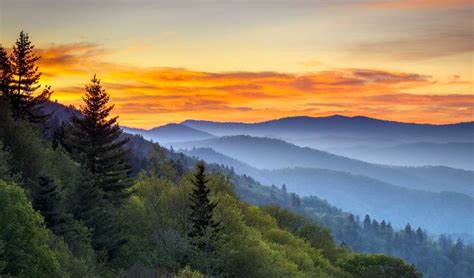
x=26 y=249
x=378 y=266
x=96 y=141
x=158 y=165
x=24 y=82
x=24 y=145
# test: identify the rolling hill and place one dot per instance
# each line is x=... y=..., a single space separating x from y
x=443 y=212
x=266 y=153
x=170 y=133
x=457 y=155
x=299 y=128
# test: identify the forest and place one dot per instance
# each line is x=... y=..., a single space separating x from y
x=80 y=198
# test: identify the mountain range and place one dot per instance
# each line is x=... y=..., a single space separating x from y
x=439 y=212
x=438 y=198
x=340 y=126
x=362 y=138
x=267 y=153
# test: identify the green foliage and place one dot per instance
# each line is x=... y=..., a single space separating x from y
x=187 y=272
x=378 y=266
x=158 y=165
x=5 y=172
x=47 y=201
x=160 y=223
x=23 y=143
x=316 y=235
x=26 y=241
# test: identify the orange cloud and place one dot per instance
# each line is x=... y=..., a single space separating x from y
x=146 y=97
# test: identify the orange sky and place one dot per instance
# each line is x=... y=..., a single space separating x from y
x=237 y=61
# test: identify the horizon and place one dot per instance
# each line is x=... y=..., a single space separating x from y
x=165 y=63
x=291 y=117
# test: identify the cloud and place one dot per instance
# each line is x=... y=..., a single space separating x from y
x=415 y=4
x=147 y=97
x=77 y=57
x=420 y=46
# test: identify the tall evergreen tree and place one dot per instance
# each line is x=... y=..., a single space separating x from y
x=47 y=200
x=24 y=82
x=96 y=141
x=202 y=209
x=366 y=223
x=5 y=71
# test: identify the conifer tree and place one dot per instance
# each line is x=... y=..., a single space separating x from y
x=408 y=230
x=98 y=215
x=46 y=199
x=366 y=223
x=202 y=209
x=24 y=82
x=96 y=141
x=5 y=71
x=5 y=171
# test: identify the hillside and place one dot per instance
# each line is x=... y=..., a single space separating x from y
x=456 y=155
x=438 y=212
x=266 y=153
x=170 y=133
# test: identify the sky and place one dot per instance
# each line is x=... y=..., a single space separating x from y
x=250 y=61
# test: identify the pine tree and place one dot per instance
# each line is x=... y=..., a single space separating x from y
x=202 y=209
x=408 y=230
x=97 y=214
x=24 y=82
x=420 y=237
x=47 y=200
x=96 y=141
x=366 y=223
x=5 y=71
x=295 y=200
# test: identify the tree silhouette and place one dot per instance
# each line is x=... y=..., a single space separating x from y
x=96 y=141
x=24 y=82
x=5 y=71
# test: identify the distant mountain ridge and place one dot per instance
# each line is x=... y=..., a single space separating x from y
x=272 y=154
x=364 y=138
x=452 y=154
x=170 y=133
x=337 y=125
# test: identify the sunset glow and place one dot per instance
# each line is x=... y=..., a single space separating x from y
x=254 y=62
